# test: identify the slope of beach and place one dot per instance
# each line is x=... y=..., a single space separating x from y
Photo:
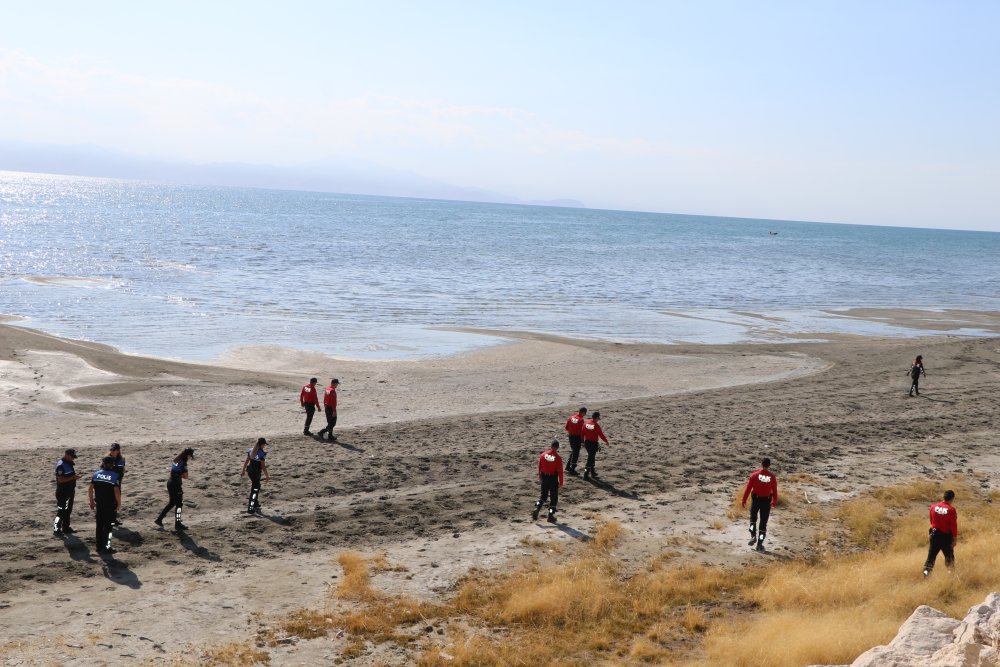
x=434 y=467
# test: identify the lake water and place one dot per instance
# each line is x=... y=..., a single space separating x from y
x=188 y=272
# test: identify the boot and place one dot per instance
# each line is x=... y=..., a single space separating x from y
x=552 y=515
x=753 y=536
x=760 y=542
x=534 y=513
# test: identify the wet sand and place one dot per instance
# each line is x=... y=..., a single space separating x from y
x=435 y=467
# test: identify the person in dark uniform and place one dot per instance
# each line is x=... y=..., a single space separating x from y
x=309 y=400
x=550 y=474
x=116 y=453
x=574 y=427
x=591 y=432
x=66 y=476
x=763 y=486
x=105 y=498
x=944 y=533
x=178 y=473
x=916 y=370
x=330 y=408
x=253 y=466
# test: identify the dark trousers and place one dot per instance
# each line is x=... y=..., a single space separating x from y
x=592 y=449
x=253 y=502
x=574 y=455
x=65 y=493
x=915 y=386
x=310 y=410
x=761 y=505
x=940 y=542
x=331 y=420
x=105 y=513
x=550 y=492
x=176 y=492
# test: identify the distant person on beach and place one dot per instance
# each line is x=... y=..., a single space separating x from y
x=916 y=370
x=330 y=408
x=178 y=473
x=550 y=474
x=591 y=432
x=763 y=487
x=253 y=466
x=66 y=476
x=574 y=427
x=944 y=533
x=116 y=453
x=105 y=494
x=309 y=400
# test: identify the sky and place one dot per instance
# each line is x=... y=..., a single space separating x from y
x=875 y=112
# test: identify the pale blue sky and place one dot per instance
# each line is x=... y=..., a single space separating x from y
x=867 y=112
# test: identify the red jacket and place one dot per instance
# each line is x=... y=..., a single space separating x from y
x=574 y=425
x=763 y=483
x=944 y=518
x=592 y=431
x=330 y=397
x=309 y=395
x=550 y=463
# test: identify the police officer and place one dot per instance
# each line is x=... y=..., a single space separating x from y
x=309 y=400
x=591 y=432
x=763 y=486
x=105 y=498
x=253 y=466
x=550 y=474
x=178 y=473
x=574 y=427
x=116 y=453
x=330 y=408
x=66 y=476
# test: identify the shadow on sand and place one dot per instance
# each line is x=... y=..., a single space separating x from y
x=118 y=572
x=612 y=489
x=78 y=549
x=201 y=552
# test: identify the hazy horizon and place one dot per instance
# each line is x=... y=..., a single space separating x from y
x=844 y=113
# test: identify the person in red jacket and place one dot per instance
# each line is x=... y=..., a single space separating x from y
x=591 y=432
x=309 y=399
x=763 y=486
x=330 y=408
x=574 y=426
x=550 y=474
x=944 y=533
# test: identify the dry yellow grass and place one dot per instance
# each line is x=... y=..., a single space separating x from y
x=585 y=607
x=236 y=654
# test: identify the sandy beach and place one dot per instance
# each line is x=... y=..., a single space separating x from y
x=434 y=467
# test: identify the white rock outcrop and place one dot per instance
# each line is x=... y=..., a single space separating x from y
x=929 y=638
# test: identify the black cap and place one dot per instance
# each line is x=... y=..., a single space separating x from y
x=189 y=451
x=115 y=445
x=70 y=452
x=555 y=444
x=260 y=441
x=108 y=462
x=313 y=380
x=334 y=381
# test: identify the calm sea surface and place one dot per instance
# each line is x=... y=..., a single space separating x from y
x=188 y=272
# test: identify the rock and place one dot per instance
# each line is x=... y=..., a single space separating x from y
x=929 y=638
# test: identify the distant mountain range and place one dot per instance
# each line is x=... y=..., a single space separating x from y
x=324 y=176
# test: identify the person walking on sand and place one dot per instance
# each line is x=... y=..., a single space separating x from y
x=253 y=466
x=916 y=370
x=763 y=486
x=330 y=408
x=944 y=533
x=105 y=495
x=309 y=400
x=591 y=433
x=116 y=453
x=178 y=473
x=550 y=474
x=66 y=476
x=574 y=427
